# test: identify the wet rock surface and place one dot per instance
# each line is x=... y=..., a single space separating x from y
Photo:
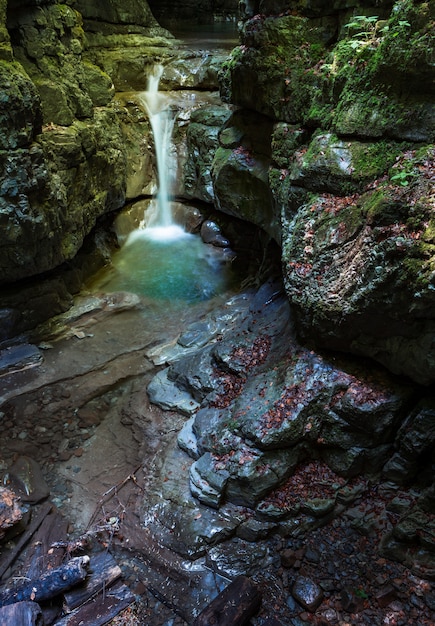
x=318 y=543
x=351 y=183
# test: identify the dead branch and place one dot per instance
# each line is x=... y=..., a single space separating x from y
x=51 y=584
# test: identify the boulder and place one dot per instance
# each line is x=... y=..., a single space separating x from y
x=271 y=72
x=202 y=142
x=240 y=171
x=359 y=269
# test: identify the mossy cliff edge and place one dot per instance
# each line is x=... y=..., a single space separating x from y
x=347 y=93
x=65 y=140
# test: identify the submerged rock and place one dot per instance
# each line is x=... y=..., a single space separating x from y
x=212 y=234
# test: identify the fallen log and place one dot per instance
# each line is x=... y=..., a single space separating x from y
x=101 y=609
x=51 y=584
x=103 y=571
x=37 y=520
x=234 y=606
x=44 y=553
x=22 y=613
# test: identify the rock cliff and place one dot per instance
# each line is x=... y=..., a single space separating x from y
x=335 y=132
x=70 y=151
x=59 y=141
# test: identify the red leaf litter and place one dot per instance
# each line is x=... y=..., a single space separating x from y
x=232 y=384
x=309 y=481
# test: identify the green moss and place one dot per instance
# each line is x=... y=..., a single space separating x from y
x=374 y=158
x=349 y=219
x=286 y=138
x=383 y=80
x=379 y=208
x=272 y=71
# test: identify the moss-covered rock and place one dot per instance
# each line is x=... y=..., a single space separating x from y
x=127 y=65
x=360 y=269
x=48 y=42
x=117 y=13
x=273 y=71
x=240 y=172
x=58 y=174
x=20 y=108
x=286 y=138
x=384 y=76
x=202 y=143
x=124 y=40
x=55 y=190
x=340 y=166
x=5 y=44
x=97 y=84
x=377 y=81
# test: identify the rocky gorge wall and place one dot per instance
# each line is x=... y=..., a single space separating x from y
x=172 y=12
x=334 y=131
x=325 y=142
x=70 y=151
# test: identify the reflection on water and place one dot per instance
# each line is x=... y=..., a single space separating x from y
x=167 y=265
x=223 y=35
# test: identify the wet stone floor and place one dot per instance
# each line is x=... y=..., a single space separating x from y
x=77 y=406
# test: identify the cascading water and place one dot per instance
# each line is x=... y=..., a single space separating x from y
x=160 y=259
x=159 y=224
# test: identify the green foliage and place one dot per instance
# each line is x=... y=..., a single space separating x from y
x=369 y=31
x=404 y=177
x=365 y=28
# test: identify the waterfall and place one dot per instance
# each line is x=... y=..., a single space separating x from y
x=160 y=224
x=158 y=259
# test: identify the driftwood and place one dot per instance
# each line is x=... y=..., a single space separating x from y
x=158 y=557
x=22 y=614
x=101 y=609
x=234 y=606
x=103 y=571
x=37 y=520
x=44 y=552
x=48 y=581
x=51 y=584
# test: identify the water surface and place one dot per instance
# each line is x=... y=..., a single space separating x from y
x=167 y=265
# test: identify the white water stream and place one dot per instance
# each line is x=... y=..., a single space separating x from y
x=159 y=225
x=159 y=259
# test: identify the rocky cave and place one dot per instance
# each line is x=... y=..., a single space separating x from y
x=234 y=424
